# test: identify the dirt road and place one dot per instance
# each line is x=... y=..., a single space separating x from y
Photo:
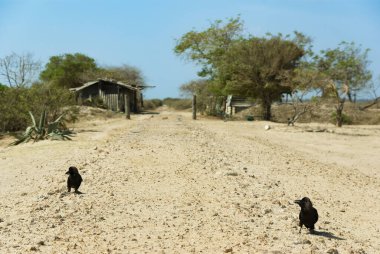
x=166 y=184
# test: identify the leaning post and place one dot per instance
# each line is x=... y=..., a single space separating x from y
x=194 y=107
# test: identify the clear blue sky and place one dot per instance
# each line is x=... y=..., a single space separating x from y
x=142 y=33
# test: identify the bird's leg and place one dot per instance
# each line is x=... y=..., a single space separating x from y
x=68 y=189
x=76 y=191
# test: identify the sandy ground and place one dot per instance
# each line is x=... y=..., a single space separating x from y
x=166 y=184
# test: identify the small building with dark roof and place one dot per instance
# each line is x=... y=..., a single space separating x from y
x=235 y=104
x=115 y=95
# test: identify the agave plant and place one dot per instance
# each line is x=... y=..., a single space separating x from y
x=53 y=130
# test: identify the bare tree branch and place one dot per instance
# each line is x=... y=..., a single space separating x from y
x=299 y=106
x=19 y=70
x=374 y=102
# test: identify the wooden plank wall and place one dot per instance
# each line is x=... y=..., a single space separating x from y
x=114 y=98
x=111 y=101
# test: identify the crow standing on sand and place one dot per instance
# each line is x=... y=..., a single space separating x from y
x=308 y=215
x=74 y=179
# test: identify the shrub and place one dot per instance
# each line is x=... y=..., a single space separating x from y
x=3 y=87
x=346 y=119
x=179 y=104
x=15 y=103
x=14 y=109
x=152 y=104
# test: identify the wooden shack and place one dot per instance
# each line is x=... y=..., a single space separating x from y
x=235 y=104
x=114 y=94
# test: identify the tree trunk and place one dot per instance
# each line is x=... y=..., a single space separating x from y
x=339 y=113
x=194 y=107
x=266 y=107
x=349 y=95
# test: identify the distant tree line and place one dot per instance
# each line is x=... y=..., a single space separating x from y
x=265 y=68
x=26 y=86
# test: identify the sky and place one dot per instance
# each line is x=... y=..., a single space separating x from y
x=143 y=33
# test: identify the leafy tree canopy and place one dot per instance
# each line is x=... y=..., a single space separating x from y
x=346 y=66
x=202 y=89
x=261 y=68
x=69 y=70
x=208 y=47
x=125 y=73
x=250 y=66
x=195 y=87
x=346 y=71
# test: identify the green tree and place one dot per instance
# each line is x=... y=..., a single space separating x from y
x=125 y=73
x=200 y=88
x=53 y=99
x=346 y=71
x=207 y=48
x=261 y=68
x=69 y=70
x=15 y=102
x=14 y=106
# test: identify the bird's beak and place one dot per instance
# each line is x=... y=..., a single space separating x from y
x=297 y=201
x=68 y=172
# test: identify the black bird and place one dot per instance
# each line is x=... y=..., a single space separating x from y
x=308 y=215
x=74 y=179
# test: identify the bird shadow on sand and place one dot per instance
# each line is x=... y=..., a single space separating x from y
x=326 y=234
x=64 y=194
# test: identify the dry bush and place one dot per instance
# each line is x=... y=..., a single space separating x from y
x=91 y=113
x=324 y=113
x=368 y=116
x=178 y=104
x=152 y=104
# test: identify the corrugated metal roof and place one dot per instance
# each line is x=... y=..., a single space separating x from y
x=126 y=86
x=76 y=89
x=84 y=86
x=236 y=101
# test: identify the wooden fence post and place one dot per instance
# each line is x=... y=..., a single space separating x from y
x=127 y=106
x=194 y=107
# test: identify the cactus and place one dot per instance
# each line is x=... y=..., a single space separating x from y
x=53 y=130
